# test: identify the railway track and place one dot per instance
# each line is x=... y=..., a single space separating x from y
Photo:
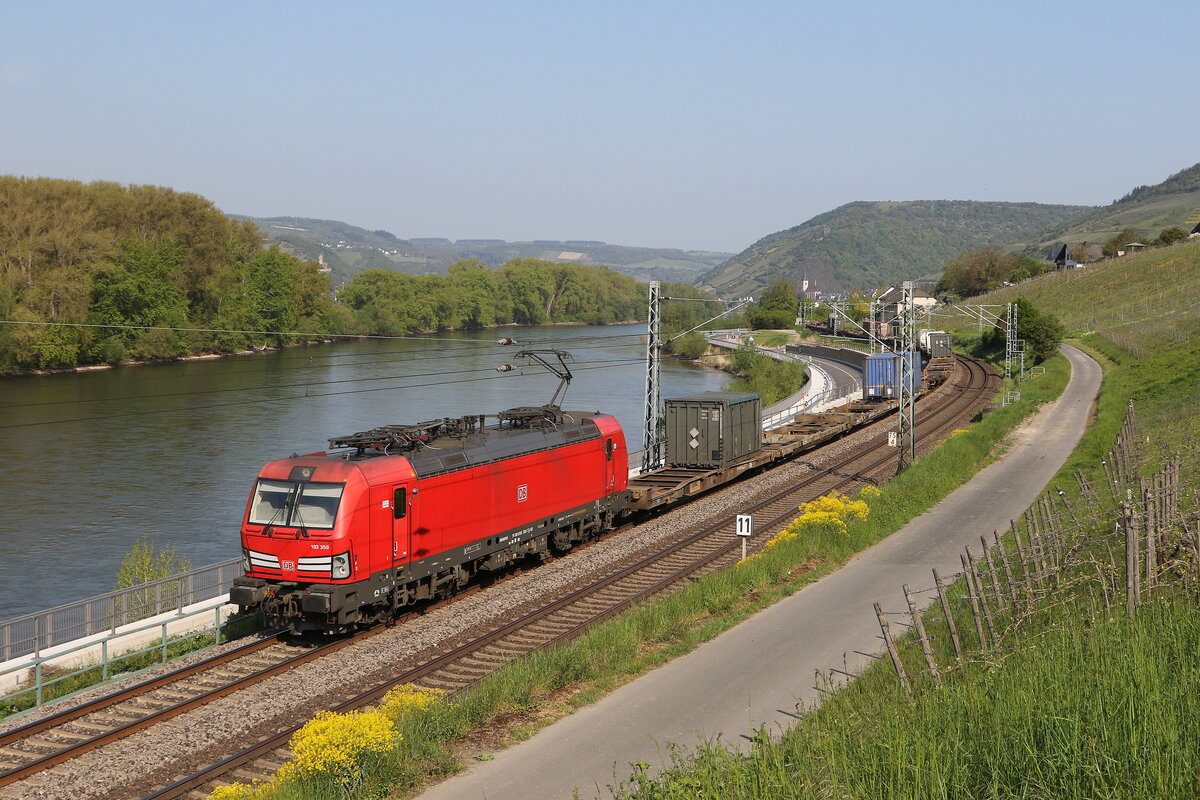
x=54 y=739
x=697 y=550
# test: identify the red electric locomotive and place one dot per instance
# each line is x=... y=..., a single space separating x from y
x=391 y=516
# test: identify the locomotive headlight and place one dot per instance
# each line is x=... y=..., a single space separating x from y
x=341 y=566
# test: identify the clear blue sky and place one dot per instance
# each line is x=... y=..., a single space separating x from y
x=694 y=125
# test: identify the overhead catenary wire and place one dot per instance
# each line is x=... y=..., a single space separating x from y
x=308 y=358
x=597 y=339
x=299 y=384
x=313 y=334
x=349 y=336
x=219 y=330
x=305 y=396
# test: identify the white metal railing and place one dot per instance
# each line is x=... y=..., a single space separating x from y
x=811 y=403
x=105 y=656
x=33 y=633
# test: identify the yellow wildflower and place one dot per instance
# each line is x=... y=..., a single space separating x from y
x=339 y=745
x=238 y=791
x=408 y=698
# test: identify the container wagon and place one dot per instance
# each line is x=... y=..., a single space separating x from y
x=883 y=373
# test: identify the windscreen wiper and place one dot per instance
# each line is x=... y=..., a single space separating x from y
x=269 y=529
x=298 y=518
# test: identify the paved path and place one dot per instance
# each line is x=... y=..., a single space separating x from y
x=756 y=673
x=831 y=382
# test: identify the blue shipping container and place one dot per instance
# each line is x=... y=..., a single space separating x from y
x=882 y=374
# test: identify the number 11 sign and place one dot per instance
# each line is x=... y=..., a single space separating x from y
x=744 y=529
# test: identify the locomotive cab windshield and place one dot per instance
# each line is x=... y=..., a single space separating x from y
x=293 y=504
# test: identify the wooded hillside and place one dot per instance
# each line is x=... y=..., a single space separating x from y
x=869 y=244
x=153 y=263
x=107 y=254
x=349 y=250
x=1145 y=209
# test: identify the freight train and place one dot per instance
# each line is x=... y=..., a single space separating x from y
x=401 y=514
x=932 y=343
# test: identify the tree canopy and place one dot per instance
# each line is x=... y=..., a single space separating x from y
x=1118 y=242
x=982 y=270
x=524 y=291
x=1042 y=333
x=138 y=272
x=776 y=308
x=1171 y=235
x=143 y=256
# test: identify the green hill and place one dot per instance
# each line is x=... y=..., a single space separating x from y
x=1149 y=209
x=1145 y=298
x=871 y=244
x=348 y=250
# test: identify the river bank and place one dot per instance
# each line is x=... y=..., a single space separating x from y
x=259 y=349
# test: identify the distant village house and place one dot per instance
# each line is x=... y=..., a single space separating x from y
x=1077 y=254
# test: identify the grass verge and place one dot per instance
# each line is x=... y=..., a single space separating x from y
x=1106 y=708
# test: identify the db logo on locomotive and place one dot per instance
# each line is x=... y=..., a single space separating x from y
x=522 y=492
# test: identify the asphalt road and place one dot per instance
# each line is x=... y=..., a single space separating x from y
x=843 y=375
x=757 y=673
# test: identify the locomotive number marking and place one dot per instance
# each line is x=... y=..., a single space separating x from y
x=522 y=492
x=319 y=546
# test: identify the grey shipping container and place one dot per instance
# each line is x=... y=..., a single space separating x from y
x=939 y=345
x=713 y=429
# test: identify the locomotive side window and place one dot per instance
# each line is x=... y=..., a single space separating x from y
x=609 y=449
x=400 y=503
x=295 y=505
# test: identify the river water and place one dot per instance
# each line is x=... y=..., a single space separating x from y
x=91 y=461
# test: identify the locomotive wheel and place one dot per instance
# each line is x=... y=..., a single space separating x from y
x=560 y=541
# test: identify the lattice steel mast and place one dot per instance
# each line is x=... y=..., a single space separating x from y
x=907 y=438
x=651 y=451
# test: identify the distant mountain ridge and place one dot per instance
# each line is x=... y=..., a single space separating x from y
x=1149 y=209
x=349 y=250
x=871 y=244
